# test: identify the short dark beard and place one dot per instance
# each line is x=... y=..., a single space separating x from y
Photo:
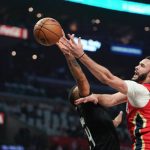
x=141 y=78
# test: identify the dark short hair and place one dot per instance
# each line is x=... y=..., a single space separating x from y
x=148 y=57
x=75 y=94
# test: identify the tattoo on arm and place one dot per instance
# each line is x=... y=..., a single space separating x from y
x=74 y=63
x=79 y=76
x=75 y=68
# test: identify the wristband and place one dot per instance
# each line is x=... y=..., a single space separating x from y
x=81 y=56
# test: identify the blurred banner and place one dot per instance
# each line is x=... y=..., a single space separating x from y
x=11 y=147
x=2 y=126
x=89 y=44
x=12 y=31
x=126 y=50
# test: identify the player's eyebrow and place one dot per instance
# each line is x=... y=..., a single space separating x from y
x=142 y=64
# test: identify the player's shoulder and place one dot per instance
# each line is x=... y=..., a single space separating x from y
x=134 y=87
x=131 y=83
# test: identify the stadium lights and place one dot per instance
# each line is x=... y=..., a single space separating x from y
x=119 y=5
x=38 y=15
x=147 y=28
x=30 y=9
x=13 y=53
x=34 y=56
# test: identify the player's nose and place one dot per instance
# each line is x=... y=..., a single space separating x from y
x=136 y=67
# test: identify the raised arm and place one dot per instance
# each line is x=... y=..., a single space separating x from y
x=77 y=73
x=83 y=87
x=104 y=75
x=100 y=72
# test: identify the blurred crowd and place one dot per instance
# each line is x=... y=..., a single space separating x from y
x=54 y=118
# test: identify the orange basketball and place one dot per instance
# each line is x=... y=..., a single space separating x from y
x=47 y=31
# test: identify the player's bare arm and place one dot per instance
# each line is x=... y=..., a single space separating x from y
x=107 y=100
x=104 y=75
x=100 y=72
x=79 y=76
x=77 y=73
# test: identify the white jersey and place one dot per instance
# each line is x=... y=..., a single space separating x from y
x=137 y=94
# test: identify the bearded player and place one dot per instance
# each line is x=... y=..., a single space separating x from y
x=135 y=92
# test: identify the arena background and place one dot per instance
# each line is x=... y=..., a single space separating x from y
x=34 y=80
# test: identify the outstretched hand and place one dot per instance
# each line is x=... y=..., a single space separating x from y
x=70 y=46
x=76 y=48
x=63 y=45
x=91 y=98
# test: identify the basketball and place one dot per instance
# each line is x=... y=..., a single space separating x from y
x=47 y=31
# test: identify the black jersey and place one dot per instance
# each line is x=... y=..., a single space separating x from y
x=98 y=127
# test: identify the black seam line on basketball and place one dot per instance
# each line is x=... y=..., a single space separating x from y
x=53 y=24
x=51 y=31
x=38 y=33
x=36 y=29
x=43 y=32
x=46 y=21
x=45 y=37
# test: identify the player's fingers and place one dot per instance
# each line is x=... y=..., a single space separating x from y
x=79 y=101
x=71 y=36
x=79 y=40
x=119 y=117
x=64 y=48
x=121 y=112
x=62 y=44
x=85 y=100
x=95 y=101
x=65 y=42
x=72 y=41
x=58 y=44
x=64 y=39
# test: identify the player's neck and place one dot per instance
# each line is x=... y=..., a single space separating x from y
x=147 y=80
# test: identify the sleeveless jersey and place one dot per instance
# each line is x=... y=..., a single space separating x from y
x=139 y=125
